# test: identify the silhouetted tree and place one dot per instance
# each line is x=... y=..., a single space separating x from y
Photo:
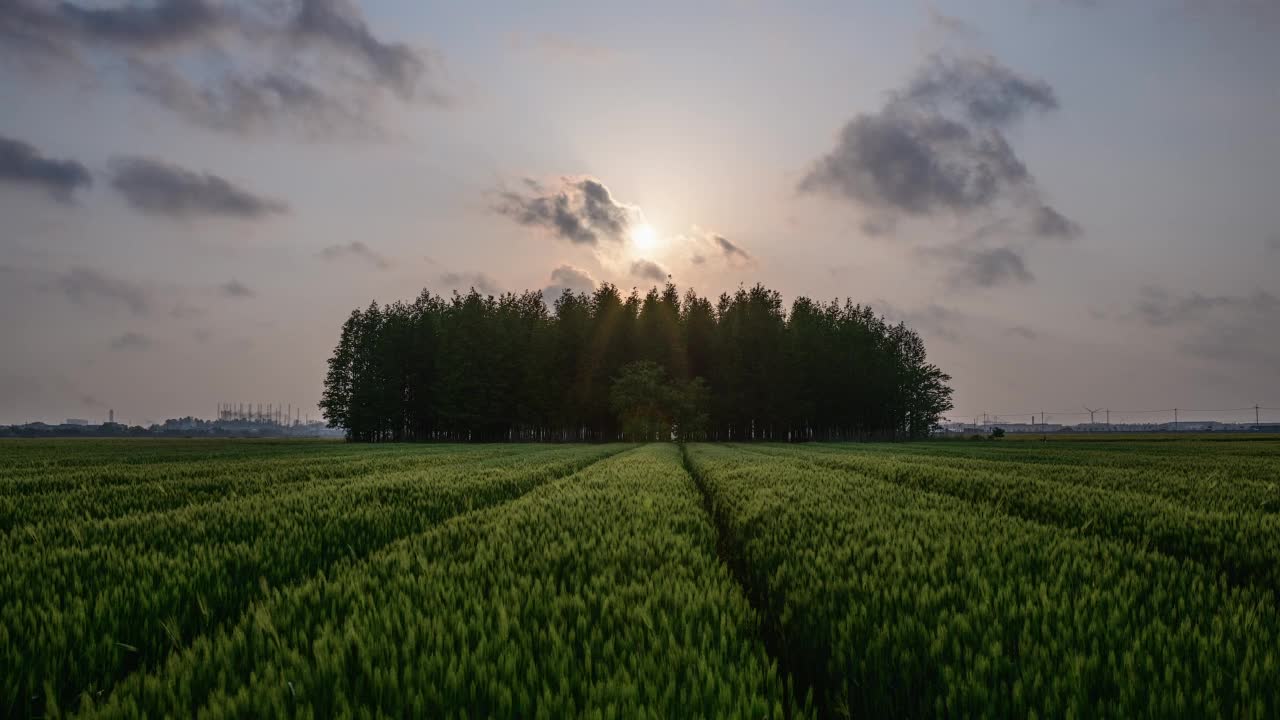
x=601 y=366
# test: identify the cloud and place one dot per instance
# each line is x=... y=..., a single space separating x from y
x=985 y=268
x=466 y=281
x=86 y=286
x=932 y=320
x=648 y=270
x=1220 y=328
x=1047 y=222
x=23 y=164
x=158 y=188
x=236 y=289
x=980 y=87
x=245 y=103
x=1273 y=242
x=131 y=341
x=709 y=245
x=228 y=65
x=1022 y=331
x=159 y=24
x=580 y=210
x=731 y=250
x=902 y=160
x=567 y=277
x=339 y=25
x=1159 y=307
x=938 y=147
x=355 y=250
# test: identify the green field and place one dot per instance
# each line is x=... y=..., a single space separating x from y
x=173 y=578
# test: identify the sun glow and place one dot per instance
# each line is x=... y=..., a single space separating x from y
x=644 y=237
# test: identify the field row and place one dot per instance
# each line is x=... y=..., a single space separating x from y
x=88 y=601
x=890 y=601
x=612 y=581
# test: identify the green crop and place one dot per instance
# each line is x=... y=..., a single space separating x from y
x=598 y=595
x=890 y=601
x=214 y=578
x=88 y=601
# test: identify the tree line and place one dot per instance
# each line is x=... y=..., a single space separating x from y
x=603 y=366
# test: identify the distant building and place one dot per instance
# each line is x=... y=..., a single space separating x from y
x=76 y=421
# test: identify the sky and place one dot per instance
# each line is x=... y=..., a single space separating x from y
x=1073 y=202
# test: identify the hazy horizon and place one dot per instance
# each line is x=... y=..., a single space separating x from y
x=1072 y=202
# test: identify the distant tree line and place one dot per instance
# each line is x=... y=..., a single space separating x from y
x=604 y=366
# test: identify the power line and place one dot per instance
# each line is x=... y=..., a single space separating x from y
x=1178 y=413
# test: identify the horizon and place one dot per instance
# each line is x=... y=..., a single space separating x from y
x=1070 y=202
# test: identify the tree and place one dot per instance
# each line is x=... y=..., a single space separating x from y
x=688 y=403
x=640 y=399
x=599 y=366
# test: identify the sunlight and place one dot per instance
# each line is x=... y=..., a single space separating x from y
x=644 y=237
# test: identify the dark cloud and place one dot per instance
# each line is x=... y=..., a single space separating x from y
x=1047 y=222
x=340 y=25
x=158 y=188
x=730 y=250
x=158 y=24
x=65 y=32
x=706 y=245
x=131 y=341
x=86 y=286
x=466 y=281
x=1158 y=306
x=917 y=163
x=648 y=270
x=247 y=103
x=991 y=267
x=1236 y=329
x=225 y=65
x=982 y=89
x=355 y=250
x=580 y=210
x=932 y=320
x=23 y=164
x=1023 y=332
x=938 y=145
x=236 y=289
x=568 y=277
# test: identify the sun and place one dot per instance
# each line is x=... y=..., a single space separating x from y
x=644 y=237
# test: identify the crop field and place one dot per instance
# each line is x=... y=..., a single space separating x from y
x=1093 y=578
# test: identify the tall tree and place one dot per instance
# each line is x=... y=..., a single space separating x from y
x=484 y=368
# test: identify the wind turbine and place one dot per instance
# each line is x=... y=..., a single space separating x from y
x=1091 y=412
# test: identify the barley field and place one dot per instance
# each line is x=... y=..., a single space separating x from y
x=1094 y=578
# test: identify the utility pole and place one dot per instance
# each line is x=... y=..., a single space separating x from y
x=1257 y=419
x=1108 y=419
x=1175 y=419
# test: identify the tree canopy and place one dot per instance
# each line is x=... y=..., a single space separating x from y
x=604 y=366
